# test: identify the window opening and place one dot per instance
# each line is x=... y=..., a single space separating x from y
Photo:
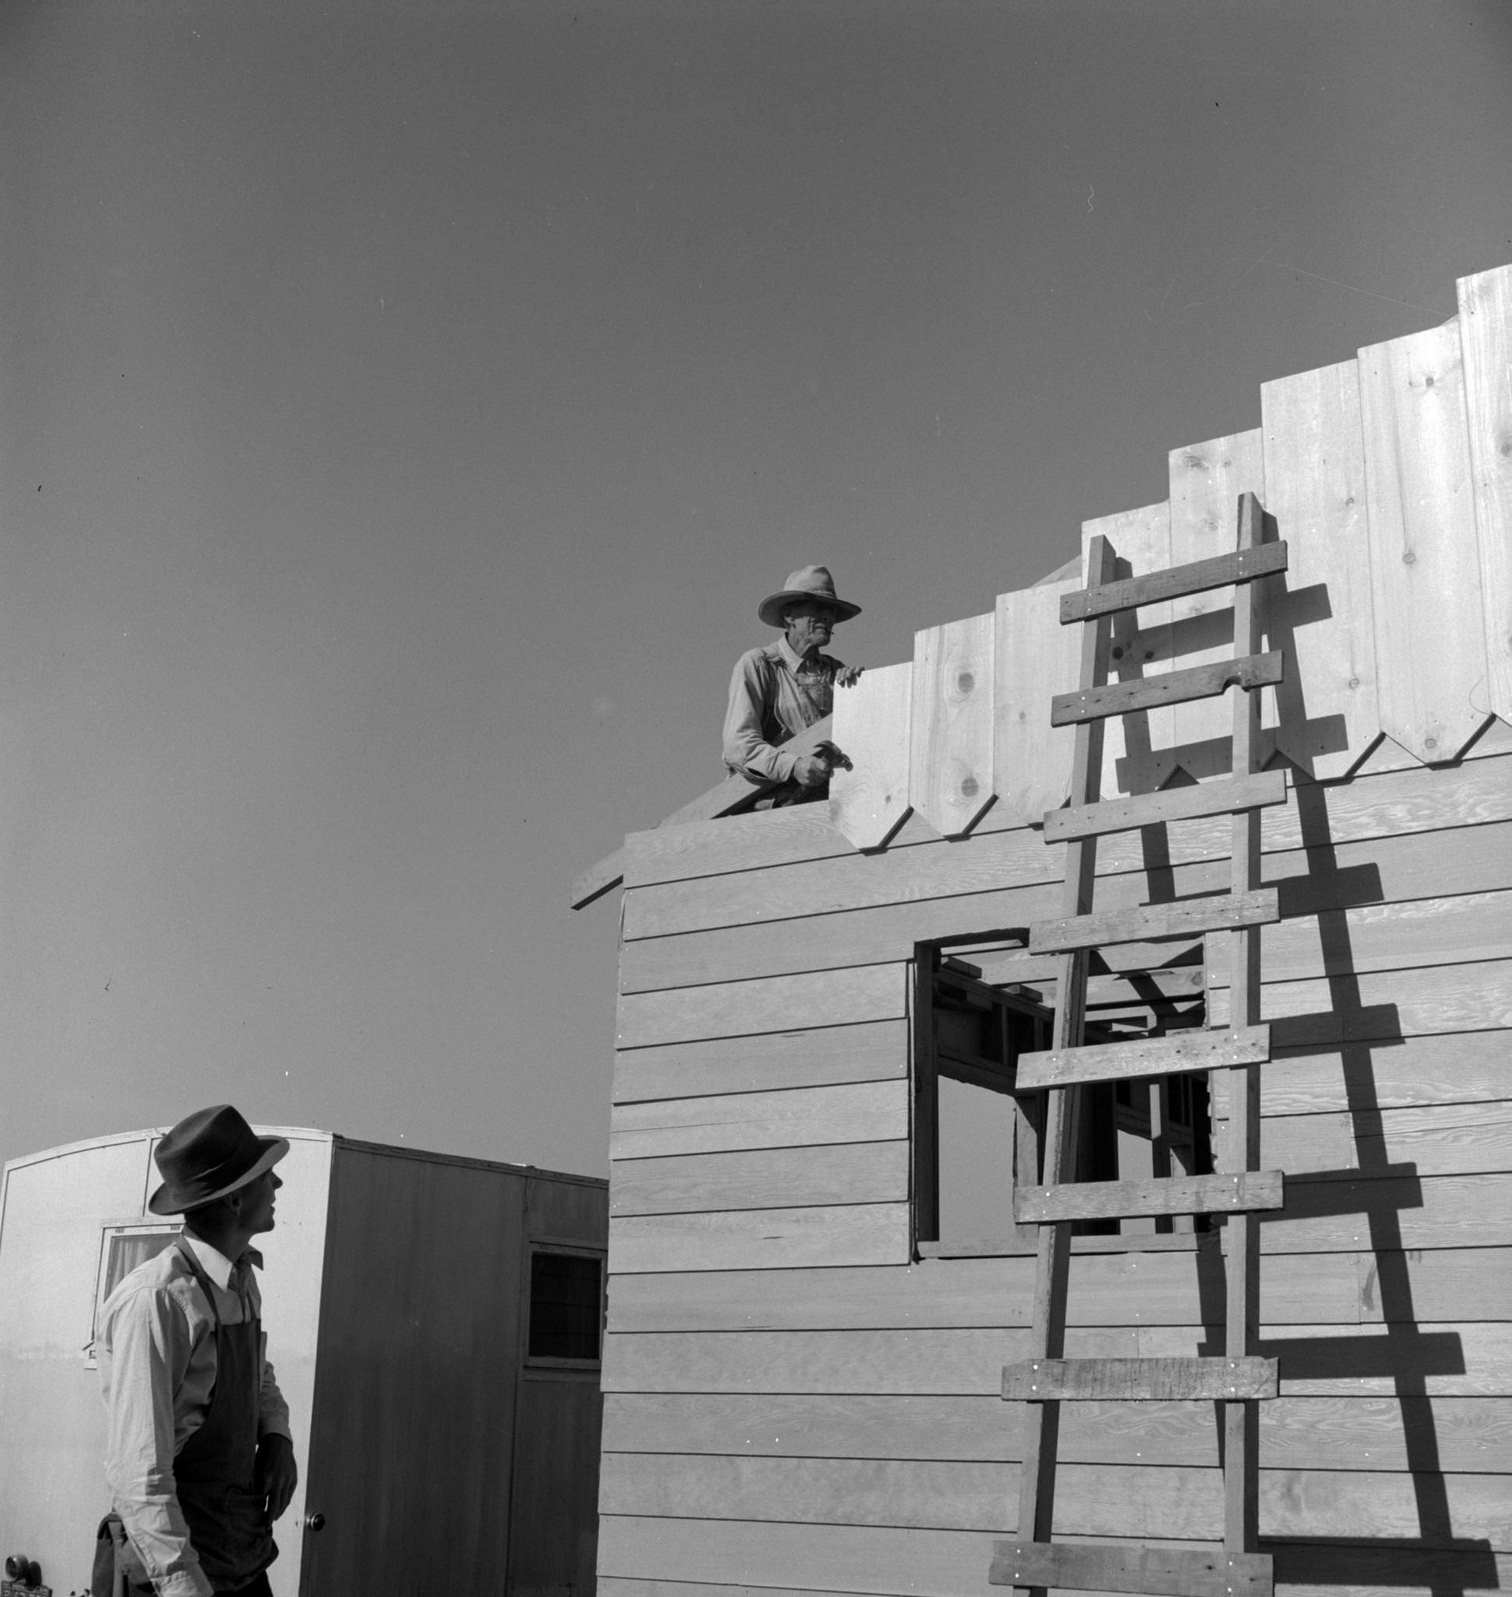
x=979 y=1004
x=566 y=1306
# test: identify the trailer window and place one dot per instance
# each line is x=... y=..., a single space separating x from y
x=566 y=1306
x=123 y=1246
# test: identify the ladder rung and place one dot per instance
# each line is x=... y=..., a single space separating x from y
x=1147 y=1057
x=1171 y=687
x=1190 y=917
x=1158 y=1571
x=1194 y=1380
x=1240 y=1192
x=1222 y=571
x=1170 y=804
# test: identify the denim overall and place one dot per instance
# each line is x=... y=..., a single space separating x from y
x=216 y=1469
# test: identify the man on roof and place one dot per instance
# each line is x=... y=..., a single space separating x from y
x=782 y=689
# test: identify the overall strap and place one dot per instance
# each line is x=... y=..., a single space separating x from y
x=197 y=1270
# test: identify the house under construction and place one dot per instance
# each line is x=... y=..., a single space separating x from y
x=1181 y=884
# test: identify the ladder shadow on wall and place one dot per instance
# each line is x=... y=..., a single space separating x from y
x=1401 y=1355
x=1143 y=768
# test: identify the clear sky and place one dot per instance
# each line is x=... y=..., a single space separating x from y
x=403 y=408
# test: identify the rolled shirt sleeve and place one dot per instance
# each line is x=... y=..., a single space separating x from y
x=149 y=1346
x=272 y=1410
x=749 y=727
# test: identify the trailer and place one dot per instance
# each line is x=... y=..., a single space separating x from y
x=1078 y=1155
x=434 y=1322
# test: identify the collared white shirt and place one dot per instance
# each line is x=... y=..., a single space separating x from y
x=157 y=1357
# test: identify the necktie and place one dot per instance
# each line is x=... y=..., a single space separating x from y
x=241 y=1273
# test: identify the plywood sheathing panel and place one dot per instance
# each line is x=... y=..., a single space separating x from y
x=869 y=801
x=1035 y=657
x=1320 y=613
x=1424 y=560
x=950 y=737
x=1206 y=480
x=1485 y=323
x=1136 y=748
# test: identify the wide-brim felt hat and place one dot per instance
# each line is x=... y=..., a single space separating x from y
x=207 y=1155
x=810 y=582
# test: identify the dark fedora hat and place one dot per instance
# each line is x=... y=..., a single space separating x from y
x=208 y=1154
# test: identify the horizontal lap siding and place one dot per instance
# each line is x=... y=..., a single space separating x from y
x=866 y=1111
x=789 y=1404
x=1409 y=1071
x=801 y=1161
x=1449 y=1358
x=772 y=1558
x=774 y=838
x=1447 y=1139
x=762 y=1178
x=1390 y=804
x=746 y=1008
x=866 y=1051
x=1176 y=1288
x=1466 y=1435
x=875 y=1233
x=1462 y=1067
x=1303 y=1569
x=1380 y=1007
x=1389 y=890
x=1090 y=1500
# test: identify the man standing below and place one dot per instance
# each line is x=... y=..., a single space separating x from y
x=778 y=691
x=198 y=1455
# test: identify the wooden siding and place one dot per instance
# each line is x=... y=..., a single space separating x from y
x=1485 y=304
x=950 y=724
x=706 y=888
x=1321 y=615
x=869 y=800
x=1206 y=481
x=1032 y=770
x=1386 y=476
x=775 y=1362
x=1424 y=560
x=794 y=1403
x=748 y=1556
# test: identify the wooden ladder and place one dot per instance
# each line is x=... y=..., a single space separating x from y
x=1238 y=1380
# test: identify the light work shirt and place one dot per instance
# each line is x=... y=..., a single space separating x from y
x=774 y=695
x=157 y=1358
